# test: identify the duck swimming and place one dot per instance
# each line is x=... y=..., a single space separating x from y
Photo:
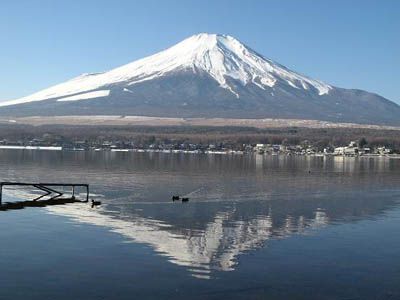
x=95 y=203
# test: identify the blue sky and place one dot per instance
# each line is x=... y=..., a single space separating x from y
x=352 y=44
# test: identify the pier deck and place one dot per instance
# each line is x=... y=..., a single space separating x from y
x=49 y=189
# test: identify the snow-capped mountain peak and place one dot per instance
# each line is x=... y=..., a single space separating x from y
x=220 y=56
x=206 y=75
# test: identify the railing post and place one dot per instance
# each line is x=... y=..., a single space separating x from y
x=1 y=192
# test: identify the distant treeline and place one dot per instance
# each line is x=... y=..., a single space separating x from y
x=233 y=137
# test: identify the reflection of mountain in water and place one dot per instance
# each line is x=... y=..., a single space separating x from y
x=237 y=203
x=214 y=235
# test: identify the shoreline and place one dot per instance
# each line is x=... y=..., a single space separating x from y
x=208 y=152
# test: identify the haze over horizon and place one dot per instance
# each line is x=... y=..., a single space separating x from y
x=53 y=43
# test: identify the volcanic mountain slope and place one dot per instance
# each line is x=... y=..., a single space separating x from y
x=206 y=75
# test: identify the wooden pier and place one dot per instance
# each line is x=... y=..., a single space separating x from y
x=49 y=189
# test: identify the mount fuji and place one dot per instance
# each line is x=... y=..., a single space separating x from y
x=206 y=75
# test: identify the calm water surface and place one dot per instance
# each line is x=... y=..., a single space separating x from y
x=256 y=227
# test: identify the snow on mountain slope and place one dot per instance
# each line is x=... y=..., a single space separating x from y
x=220 y=56
x=84 y=96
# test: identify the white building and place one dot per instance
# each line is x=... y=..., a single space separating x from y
x=350 y=150
x=383 y=150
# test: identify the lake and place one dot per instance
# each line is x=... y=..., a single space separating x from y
x=256 y=227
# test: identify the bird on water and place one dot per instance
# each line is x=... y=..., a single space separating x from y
x=95 y=203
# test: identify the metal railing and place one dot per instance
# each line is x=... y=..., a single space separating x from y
x=49 y=189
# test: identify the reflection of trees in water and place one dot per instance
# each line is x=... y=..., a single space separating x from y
x=155 y=176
